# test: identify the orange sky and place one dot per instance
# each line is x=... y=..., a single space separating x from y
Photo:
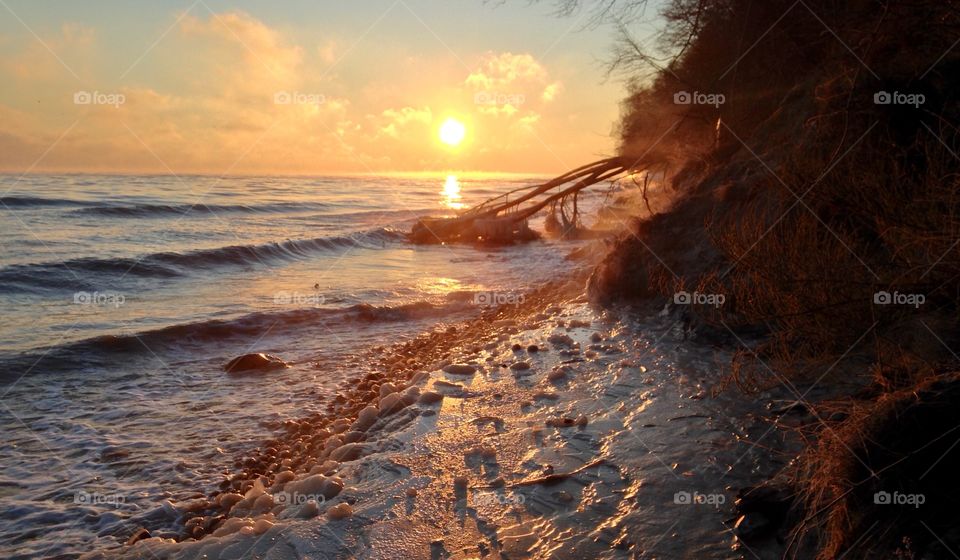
x=215 y=89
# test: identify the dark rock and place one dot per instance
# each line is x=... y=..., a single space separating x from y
x=255 y=362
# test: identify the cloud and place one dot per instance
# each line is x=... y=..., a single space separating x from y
x=397 y=120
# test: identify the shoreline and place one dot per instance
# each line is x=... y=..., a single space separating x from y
x=578 y=432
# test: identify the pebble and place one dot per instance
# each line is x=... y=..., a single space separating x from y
x=386 y=389
x=430 y=397
x=520 y=366
x=459 y=369
x=340 y=511
x=560 y=340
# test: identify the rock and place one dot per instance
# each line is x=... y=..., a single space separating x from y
x=520 y=366
x=262 y=526
x=255 y=362
x=386 y=389
x=263 y=503
x=365 y=419
x=352 y=436
x=228 y=500
x=139 y=535
x=459 y=369
x=430 y=397
x=316 y=485
x=419 y=377
x=347 y=452
x=533 y=348
x=309 y=510
x=340 y=511
x=391 y=403
x=410 y=396
x=560 y=340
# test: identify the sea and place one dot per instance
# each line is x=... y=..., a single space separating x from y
x=123 y=296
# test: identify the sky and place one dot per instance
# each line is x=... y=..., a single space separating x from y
x=300 y=86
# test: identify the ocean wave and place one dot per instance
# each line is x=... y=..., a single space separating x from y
x=87 y=272
x=167 y=210
x=35 y=201
x=104 y=350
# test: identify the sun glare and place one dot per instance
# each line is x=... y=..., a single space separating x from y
x=451 y=193
x=452 y=132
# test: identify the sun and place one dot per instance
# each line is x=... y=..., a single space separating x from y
x=452 y=132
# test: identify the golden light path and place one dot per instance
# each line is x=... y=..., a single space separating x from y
x=451 y=193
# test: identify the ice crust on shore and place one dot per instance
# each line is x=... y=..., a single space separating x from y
x=439 y=473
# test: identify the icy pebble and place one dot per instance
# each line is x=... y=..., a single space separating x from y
x=309 y=510
x=340 y=511
x=365 y=419
x=460 y=369
x=262 y=526
x=228 y=500
x=347 y=452
x=419 y=377
x=386 y=389
x=263 y=503
x=410 y=396
x=391 y=403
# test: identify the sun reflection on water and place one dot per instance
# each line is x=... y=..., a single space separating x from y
x=451 y=193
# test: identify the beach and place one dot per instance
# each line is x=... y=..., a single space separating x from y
x=548 y=429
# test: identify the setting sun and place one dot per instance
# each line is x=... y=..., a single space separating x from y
x=452 y=132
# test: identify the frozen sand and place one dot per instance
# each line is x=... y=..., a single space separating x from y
x=622 y=403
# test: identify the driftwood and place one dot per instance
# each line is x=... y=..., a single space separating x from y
x=504 y=220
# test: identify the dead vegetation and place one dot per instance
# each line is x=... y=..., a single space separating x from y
x=821 y=198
